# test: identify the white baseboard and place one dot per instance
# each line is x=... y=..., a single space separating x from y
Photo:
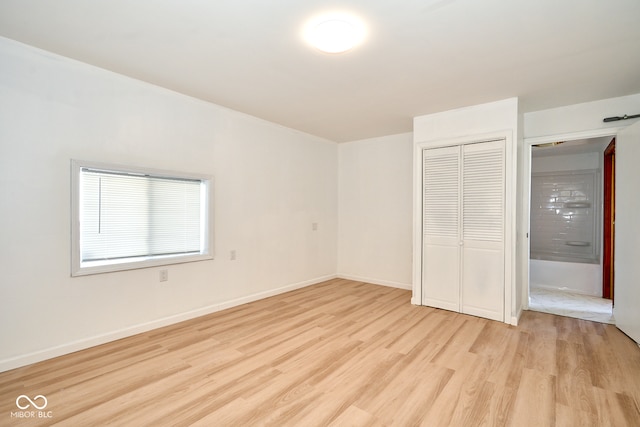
x=60 y=350
x=388 y=283
x=270 y=293
x=515 y=319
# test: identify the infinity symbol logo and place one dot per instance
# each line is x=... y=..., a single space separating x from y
x=22 y=397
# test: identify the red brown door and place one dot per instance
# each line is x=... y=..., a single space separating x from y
x=609 y=219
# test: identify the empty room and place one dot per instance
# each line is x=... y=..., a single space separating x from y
x=314 y=213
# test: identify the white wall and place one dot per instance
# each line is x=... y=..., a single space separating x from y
x=270 y=184
x=581 y=119
x=375 y=199
x=469 y=121
x=478 y=122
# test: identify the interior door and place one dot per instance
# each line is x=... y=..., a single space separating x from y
x=483 y=189
x=609 y=219
x=440 y=228
x=627 y=232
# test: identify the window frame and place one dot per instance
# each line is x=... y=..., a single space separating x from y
x=77 y=269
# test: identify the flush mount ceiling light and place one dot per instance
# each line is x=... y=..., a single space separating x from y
x=334 y=32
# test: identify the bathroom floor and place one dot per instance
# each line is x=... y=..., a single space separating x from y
x=571 y=305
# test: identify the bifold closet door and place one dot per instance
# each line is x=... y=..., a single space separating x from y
x=441 y=228
x=483 y=189
x=463 y=228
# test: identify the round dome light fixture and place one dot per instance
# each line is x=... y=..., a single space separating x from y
x=335 y=32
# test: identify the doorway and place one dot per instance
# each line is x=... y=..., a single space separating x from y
x=567 y=277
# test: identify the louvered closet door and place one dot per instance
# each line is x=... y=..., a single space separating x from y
x=441 y=228
x=483 y=189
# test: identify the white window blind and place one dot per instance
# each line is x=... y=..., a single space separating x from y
x=129 y=217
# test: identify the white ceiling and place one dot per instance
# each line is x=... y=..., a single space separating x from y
x=421 y=56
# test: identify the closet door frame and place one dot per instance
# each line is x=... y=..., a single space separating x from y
x=510 y=294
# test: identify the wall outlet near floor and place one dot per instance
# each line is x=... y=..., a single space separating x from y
x=314 y=226
x=232 y=255
x=164 y=275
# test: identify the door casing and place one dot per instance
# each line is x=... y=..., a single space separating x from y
x=525 y=195
x=510 y=278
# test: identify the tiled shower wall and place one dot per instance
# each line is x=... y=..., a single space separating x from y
x=565 y=216
x=567 y=272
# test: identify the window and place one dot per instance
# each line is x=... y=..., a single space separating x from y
x=126 y=218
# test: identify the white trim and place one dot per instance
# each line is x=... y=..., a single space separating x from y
x=462 y=140
x=416 y=295
x=515 y=319
x=510 y=212
x=387 y=283
x=525 y=197
x=587 y=134
x=511 y=232
x=82 y=344
x=526 y=188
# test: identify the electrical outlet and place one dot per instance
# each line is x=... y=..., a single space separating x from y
x=314 y=226
x=164 y=275
x=232 y=255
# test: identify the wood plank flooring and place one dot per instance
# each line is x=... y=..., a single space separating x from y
x=342 y=353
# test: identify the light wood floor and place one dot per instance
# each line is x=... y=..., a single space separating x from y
x=343 y=353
